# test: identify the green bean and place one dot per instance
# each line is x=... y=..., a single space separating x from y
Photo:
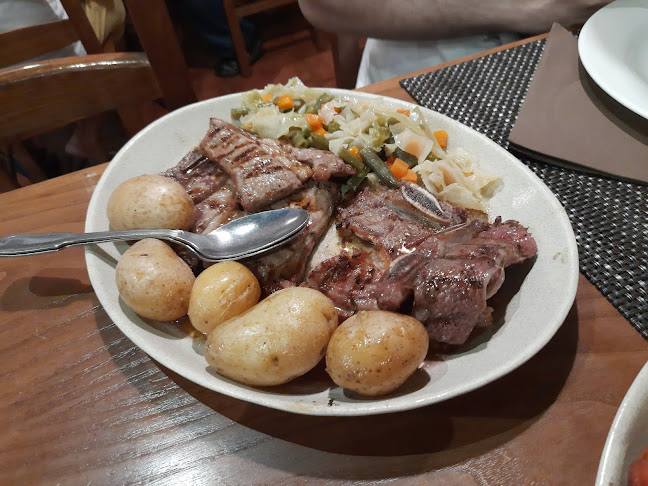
x=311 y=109
x=354 y=182
x=298 y=104
x=376 y=164
x=332 y=127
x=431 y=157
x=351 y=159
x=378 y=136
x=323 y=98
x=406 y=157
x=306 y=131
x=318 y=141
x=237 y=113
x=298 y=140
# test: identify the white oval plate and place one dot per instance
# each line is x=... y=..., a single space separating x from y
x=613 y=47
x=530 y=319
x=628 y=435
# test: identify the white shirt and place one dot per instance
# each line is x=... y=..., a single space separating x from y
x=384 y=59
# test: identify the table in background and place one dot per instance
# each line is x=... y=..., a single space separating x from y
x=80 y=404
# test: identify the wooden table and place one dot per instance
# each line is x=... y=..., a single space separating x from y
x=80 y=404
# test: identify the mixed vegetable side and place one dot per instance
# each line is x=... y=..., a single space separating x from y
x=372 y=136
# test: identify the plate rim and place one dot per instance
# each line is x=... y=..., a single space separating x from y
x=588 y=56
x=623 y=419
x=239 y=391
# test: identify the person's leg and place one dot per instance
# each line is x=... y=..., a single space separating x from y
x=209 y=19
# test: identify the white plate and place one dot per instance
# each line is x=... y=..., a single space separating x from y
x=613 y=47
x=628 y=435
x=530 y=318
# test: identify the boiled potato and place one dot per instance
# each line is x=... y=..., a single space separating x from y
x=222 y=291
x=280 y=338
x=150 y=202
x=374 y=352
x=154 y=281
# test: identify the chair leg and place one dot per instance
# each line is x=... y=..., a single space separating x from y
x=346 y=60
x=237 y=38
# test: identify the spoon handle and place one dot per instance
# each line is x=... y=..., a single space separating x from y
x=32 y=244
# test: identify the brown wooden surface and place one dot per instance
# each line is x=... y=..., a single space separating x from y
x=80 y=404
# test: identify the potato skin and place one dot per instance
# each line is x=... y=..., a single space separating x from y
x=222 y=291
x=150 y=202
x=374 y=352
x=154 y=281
x=280 y=338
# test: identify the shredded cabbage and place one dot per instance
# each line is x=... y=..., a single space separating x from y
x=375 y=124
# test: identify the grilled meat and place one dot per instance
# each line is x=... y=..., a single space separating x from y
x=199 y=176
x=286 y=267
x=265 y=171
x=443 y=277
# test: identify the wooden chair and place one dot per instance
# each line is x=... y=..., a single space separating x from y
x=46 y=95
x=235 y=10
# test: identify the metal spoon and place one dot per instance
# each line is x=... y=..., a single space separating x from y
x=242 y=238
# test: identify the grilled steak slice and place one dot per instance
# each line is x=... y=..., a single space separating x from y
x=383 y=217
x=450 y=296
x=286 y=267
x=218 y=209
x=451 y=292
x=265 y=171
x=199 y=176
x=350 y=280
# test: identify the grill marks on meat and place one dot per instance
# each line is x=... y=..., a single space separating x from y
x=350 y=280
x=445 y=275
x=218 y=209
x=265 y=171
x=199 y=176
x=383 y=217
x=286 y=267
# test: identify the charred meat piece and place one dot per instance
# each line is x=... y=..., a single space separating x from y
x=383 y=217
x=199 y=176
x=450 y=296
x=350 y=280
x=451 y=292
x=218 y=209
x=286 y=267
x=265 y=171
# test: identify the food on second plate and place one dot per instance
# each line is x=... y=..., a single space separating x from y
x=638 y=471
x=374 y=352
x=222 y=291
x=150 y=202
x=280 y=338
x=154 y=281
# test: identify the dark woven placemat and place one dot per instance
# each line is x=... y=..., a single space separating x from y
x=609 y=217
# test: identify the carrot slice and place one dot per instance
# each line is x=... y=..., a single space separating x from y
x=399 y=168
x=285 y=102
x=355 y=151
x=320 y=131
x=410 y=176
x=442 y=138
x=267 y=98
x=404 y=112
x=315 y=121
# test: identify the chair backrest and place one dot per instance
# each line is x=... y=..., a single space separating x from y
x=45 y=95
x=56 y=92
